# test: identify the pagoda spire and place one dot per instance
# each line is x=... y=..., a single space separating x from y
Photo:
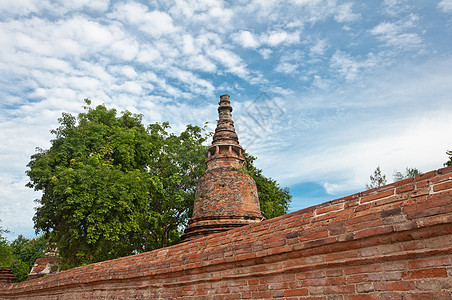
x=226 y=196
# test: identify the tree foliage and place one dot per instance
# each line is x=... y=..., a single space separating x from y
x=377 y=179
x=29 y=250
x=409 y=172
x=112 y=187
x=9 y=258
x=5 y=250
x=449 y=162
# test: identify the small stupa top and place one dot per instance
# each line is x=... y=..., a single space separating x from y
x=225 y=132
x=226 y=196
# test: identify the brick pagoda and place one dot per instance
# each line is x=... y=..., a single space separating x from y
x=226 y=196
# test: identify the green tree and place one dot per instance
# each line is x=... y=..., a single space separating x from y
x=409 y=172
x=5 y=250
x=377 y=179
x=112 y=187
x=20 y=269
x=29 y=250
x=176 y=164
x=8 y=259
x=94 y=183
x=449 y=162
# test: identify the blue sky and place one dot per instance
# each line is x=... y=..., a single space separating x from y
x=323 y=91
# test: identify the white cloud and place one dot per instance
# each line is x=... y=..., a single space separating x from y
x=246 y=39
x=201 y=63
x=341 y=135
x=18 y=8
x=64 y=6
x=148 y=55
x=395 y=34
x=277 y=37
x=213 y=15
x=345 y=14
x=231 y=61
x=319 y=48
x=272 y=38
x=286 y=67
x=155 y=23
x=445 y=5
x=265 y=52
x=396 y=7
x=348 y=66
x=320 y=82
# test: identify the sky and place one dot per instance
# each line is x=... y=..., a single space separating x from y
x=323 y=91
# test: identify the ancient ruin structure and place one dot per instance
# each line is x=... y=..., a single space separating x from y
x=226 y=196
x=6 y=275
x=43 y=266
x=391 y=242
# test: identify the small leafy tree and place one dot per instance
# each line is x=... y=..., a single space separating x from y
x=449 y=162
x=8 y=259
x=409 y=172
x=29 y=250
x=377 y=179
x=5 y=250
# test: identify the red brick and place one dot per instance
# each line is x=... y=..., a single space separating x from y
x=297 y=292
x=441 y=178
x=425 y=273
x=344 y=289
x=314 y=236
x=420 y=192
x=442 y=186
x=341 y=255
x=362 y=269
x=323 y=210
x=394 y=286
x=393 y=199
x=246 y=256
x=373 y=231
x=362 y=207
x=274 y=242
x=405 y=188
x=306 y=275
x=253 y=281
x=261 y=294
x=437 y=295
x=391 y=296
x=361 y=297
x=425 y=176
x=336 y=228
x=445 y=170
x=376 y=196
x=334 y=273
x=431 y=262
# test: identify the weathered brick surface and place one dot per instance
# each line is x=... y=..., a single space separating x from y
x=395 y=244
x=6 y=276
x=226 y=196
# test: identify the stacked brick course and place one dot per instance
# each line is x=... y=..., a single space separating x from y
x=6 y=275
x=394 y=242
x=226 y=196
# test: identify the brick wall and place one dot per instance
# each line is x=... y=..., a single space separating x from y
x=394 y=242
